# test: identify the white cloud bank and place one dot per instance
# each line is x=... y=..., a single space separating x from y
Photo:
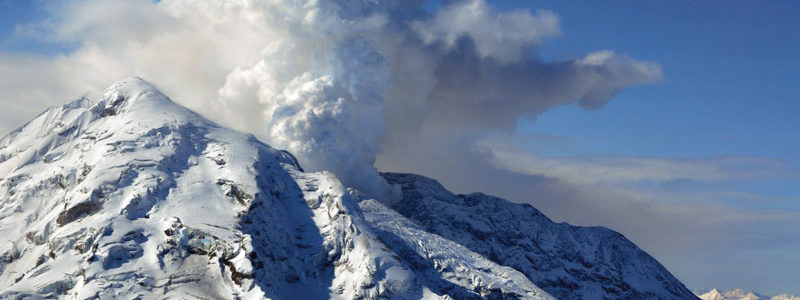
x=334 y=82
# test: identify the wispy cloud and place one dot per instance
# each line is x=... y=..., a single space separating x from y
x=622 y=169
x=645 y=199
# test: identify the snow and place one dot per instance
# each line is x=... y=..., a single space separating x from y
x=740 y=294
x=134 y=196
x=444 y=265
x=566 y=261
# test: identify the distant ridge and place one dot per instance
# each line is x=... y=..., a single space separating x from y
x=740 y=294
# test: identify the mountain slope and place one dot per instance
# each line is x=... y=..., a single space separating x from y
x=136 y=196
x=568 y=262
x=739 y=294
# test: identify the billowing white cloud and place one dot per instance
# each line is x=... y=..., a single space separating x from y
x=497 y=35
x=335 y=82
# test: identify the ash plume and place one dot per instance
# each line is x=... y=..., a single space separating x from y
x=344 y=85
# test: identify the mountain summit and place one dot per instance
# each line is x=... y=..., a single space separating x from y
x=136 y=196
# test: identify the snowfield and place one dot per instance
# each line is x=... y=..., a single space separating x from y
x=739 y=294
x=134 y=196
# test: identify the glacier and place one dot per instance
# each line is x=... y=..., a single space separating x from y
x=135 y=196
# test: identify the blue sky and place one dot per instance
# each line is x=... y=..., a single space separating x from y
x=21 y=12
x=731 y=88
x=731 y=79
x=728 y=102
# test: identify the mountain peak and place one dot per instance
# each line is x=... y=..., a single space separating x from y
x=133 y=86
x=134 y=94
x=133 y=83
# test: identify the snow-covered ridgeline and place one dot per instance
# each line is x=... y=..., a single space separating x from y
x=569 y=262
x=740 y=294
x=135 y=195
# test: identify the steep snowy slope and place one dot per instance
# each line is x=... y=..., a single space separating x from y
x=441 y=263
x=566 y=261
x=135 y=196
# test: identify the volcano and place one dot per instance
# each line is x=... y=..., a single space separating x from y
x=135 y=196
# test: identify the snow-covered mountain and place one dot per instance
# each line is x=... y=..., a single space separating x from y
x=740 y=294
x=135 y=196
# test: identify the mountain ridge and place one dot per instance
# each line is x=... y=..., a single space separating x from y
x=740 y=294
x=137 y=196
x=570 y=262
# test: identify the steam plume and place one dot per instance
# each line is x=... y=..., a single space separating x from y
x=339 y=83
